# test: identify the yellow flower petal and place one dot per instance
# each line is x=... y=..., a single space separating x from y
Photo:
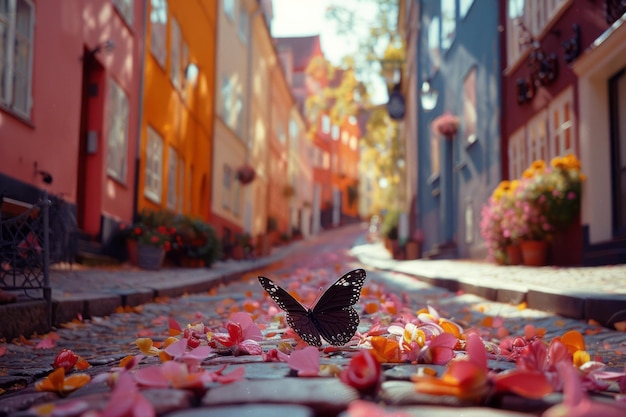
x=146 y=346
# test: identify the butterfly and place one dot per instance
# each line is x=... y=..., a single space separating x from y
x=332 y=317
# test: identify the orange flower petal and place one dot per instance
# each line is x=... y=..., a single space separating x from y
x=574 y=341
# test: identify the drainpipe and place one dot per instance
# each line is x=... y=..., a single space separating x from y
x=142 y=66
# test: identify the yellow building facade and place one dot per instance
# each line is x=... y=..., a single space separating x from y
x=175 y=162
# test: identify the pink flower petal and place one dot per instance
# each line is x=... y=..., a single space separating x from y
x=306 y=361
x=177 y=349
x=151 y=377
x=236 y=374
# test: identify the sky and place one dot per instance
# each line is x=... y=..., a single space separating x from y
x=307 y=17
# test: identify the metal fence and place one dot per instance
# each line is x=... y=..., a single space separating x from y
x=25 y=249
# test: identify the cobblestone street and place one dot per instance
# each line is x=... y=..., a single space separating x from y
x=273 y=387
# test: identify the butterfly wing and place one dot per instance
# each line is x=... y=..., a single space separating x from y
x=333 y=315
x=298 y=317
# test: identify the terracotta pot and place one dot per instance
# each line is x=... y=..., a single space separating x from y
x=150 y=257
x=131 y=251
x=413 y=250
x=534 y=252
x=514 y=254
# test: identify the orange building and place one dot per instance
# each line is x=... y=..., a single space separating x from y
x=178 y=105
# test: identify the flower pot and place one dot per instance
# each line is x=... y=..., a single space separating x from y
x=150 y=257
x=131 y=251
x=534 y=252
x=413 y=250
x=514 y=254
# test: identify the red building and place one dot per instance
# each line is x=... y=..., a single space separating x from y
x=69 y=106
x=542 y=107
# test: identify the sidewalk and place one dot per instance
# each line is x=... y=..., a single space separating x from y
x=597 y=293
x=97 y=292
x=587 y=293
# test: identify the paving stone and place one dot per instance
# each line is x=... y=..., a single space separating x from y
x=10 y=404
x=327 y=396
x=253 y=410
x=169 y=400
x=433 y=411
x=403 y=393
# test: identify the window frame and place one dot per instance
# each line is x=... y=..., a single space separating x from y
x=118 y=132
x=153 y=170
x=8 y=84
x=176 y=52
x=125 y=9
x=158 y=32
x=172 y=179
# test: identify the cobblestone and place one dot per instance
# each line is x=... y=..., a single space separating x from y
x=467 y=292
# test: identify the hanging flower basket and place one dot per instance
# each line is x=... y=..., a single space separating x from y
x=246 y=174
x=446 y=125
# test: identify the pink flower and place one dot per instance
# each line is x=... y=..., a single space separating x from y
x=363 y=373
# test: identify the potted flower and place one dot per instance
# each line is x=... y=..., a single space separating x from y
x=446 y=125
x=150 y=237
x=553 y=195
x=196 y=243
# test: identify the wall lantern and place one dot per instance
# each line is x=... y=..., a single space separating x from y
x=428 y=95
x=392 y=73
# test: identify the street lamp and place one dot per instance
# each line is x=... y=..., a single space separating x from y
x=428 y=95
x=392 y=73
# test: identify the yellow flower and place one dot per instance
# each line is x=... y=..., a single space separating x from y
x=538 y=166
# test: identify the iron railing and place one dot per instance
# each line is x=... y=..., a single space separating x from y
x=25 y=251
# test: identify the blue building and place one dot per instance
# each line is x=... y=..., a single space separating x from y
x=455 y=67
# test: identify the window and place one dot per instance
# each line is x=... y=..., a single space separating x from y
x=562 y=124
x=125 y=7
x=181 y=186
x=236 y=197
x=280 y=134
x=527 y=19
x=434 y=52
x=536 y=130
x=226 y=186
x=172 y=170
x=517 y=153
x=176 y=54
x=464 y=6
x=335 y=132
x=154 y=166
x=325 y=124
x=158 y=34
x=353 y=142
x=117 y=140
x=469 y=106
x=242 y=24
x=232 y=105
x=16 y=55
x=448 y=23
x=229 y=9
x=434 y=155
